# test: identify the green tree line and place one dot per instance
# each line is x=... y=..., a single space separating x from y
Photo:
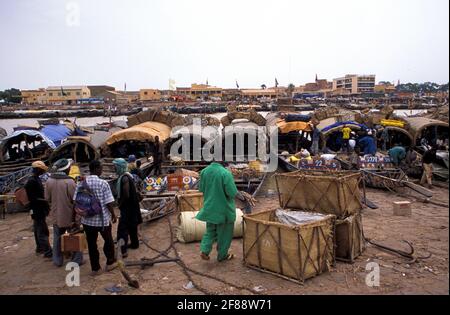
x=11 y=96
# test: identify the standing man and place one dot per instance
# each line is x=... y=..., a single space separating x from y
x=130 y=211
x=346 y=131
x=157 y=157
x=219 y=210
x=315 y=140
x=39 y=208
x=100 y=223
x=385 y=138
x=59 y=192
x=427 y=162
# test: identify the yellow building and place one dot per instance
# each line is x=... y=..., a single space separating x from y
x=385 y=88
x=260 y=93
x=200 y=91
x=355 y=84
x=146 y=95
x=33 y=96
x=126 y=98
x=66 y=94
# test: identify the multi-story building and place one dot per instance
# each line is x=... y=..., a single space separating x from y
x=127 y=97
x=199 y=91
x=320 y=86
x=66 y=94
x=148 y=95
x=33 y=96
x=261 y=93
x=385 y=88
x=97 y=90
x=354 y=84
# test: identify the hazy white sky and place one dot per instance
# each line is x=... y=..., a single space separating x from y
x=146 y=42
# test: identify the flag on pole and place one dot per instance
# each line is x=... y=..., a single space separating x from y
x=125 y=87
x=237 y=84
x=276 y=82
x=207 y=83
x=172 y=85
x=62 y=92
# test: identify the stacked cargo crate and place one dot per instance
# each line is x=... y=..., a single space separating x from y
x=320 y=221
x=328 y=192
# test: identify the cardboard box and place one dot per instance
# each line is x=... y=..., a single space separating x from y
x=402 y=208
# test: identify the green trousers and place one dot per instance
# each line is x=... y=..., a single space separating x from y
x=220 y=233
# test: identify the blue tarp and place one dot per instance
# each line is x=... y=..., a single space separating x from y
x=31 y=133
x=364 y=127
x=298 y=117
x=56 y=133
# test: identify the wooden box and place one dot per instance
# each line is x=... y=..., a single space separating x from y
x=190 y=201
x=349 y=237
x=402 y=208
x=293 y=252
x=327 y=192
x=73 y=242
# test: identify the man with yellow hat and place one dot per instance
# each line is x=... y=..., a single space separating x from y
x=39 y=208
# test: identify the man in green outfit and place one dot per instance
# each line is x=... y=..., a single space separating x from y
x=219 y=210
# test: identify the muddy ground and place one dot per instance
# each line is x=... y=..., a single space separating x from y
x=22 y=272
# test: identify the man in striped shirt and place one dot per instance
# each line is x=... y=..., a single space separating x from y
x=100 y=223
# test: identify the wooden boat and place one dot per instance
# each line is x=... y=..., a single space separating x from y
x=157 y=207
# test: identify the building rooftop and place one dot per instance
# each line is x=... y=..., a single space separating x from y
x=68 y=87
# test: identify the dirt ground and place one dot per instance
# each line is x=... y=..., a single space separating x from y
x=22 y=272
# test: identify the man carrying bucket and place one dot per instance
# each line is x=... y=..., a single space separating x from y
x=219 y=210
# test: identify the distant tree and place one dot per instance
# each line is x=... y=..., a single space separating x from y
x=444 y=87
x=11 y=96
x=263 y=86
x=384 y=83
x=425 y=87
x=290 y=89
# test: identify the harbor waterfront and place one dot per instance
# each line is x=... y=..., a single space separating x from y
x=9 y=124
x=224 y=152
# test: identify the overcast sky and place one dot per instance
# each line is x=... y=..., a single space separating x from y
x=147 y=42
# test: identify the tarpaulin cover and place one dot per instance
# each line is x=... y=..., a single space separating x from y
x=339 y=124
x=143 y=132
x=31 y=133
x=286 y=127
x=56 y=133
x=297 y=117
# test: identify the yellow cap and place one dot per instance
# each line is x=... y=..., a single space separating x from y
x=40 y=164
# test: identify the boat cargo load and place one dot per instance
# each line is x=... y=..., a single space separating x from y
x=138 y=140
x=156 y=115
x=192 y=230
x=25 y=145
x=289 y=244
x=326 y=192
x=431 y=129
x=191 y=200
x=350 y=242
x=79 y=149
x=251 y=115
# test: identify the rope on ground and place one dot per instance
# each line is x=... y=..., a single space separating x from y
x=187 y=269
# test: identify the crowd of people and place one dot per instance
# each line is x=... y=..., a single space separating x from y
x=89 y=203
x=364 y=143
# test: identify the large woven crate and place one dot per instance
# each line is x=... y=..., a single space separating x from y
x=295 y=253
x=350 y=242
x=190 y=201
x=327 y=192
